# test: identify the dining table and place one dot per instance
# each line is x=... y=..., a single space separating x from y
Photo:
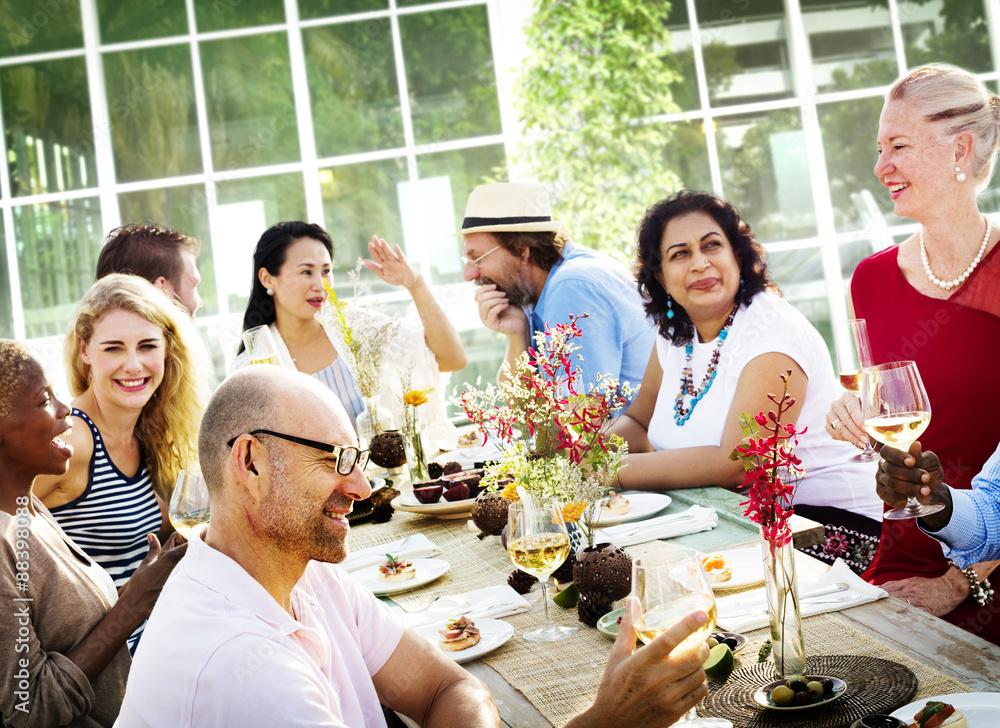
x=543 y=685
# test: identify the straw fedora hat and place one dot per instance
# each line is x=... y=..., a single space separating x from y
x=509 y=206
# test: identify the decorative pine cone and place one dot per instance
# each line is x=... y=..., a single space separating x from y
x=592 y=606
x=521 y=582
x=564 y=574
x=382 y=509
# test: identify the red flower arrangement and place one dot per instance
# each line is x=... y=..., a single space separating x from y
x=773 y=471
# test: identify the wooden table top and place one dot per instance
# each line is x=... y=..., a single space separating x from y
x=927 y=639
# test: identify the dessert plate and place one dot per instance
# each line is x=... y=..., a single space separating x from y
x=761 y=696
x=408 y=503
x=493 y=633
x=748 y=568
x=981 y=710
x=640 y=505
x=427 y=570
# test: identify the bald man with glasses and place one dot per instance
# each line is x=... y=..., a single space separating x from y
x=257 y=627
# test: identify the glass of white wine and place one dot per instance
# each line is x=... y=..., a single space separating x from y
x=538 y=544
x=854 y=355
x=896 y=411
x=669 y=585
x=260 y=346
x=189 y=503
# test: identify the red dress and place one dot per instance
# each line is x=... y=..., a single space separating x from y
x=956 y=345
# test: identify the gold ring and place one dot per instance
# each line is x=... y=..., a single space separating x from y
x=833 y=425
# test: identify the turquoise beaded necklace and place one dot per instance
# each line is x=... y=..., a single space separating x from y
x=681 y=413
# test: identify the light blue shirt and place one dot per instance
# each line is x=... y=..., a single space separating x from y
x=617 y=337
x=973 y=533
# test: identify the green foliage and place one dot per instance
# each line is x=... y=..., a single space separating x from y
x=597 y=68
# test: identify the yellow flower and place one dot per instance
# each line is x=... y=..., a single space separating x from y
x=510 y=492
x=573 y=511
x=416 y=397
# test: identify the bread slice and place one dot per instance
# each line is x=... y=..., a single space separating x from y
x=467 y=641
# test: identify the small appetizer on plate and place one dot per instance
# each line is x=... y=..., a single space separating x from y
x=395 y=570
x=939 y=715
x=717 y=568
x=458 y=634
x=470 y=439
x=614 y=505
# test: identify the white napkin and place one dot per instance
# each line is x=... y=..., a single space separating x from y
x=492 y=602
x=693 y=520
x=416 y=546
x=748 y=610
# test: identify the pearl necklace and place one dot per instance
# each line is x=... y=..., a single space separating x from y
x=948 y=285
x=681 y=413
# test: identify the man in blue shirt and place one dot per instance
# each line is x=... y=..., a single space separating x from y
x=531 y=276
x=968 y=526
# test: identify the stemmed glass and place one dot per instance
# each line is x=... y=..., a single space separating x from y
x=189 y=503
x=669 y=585
x=538 y=544
x=853 y=356
x=260 y=346
x=896 y=412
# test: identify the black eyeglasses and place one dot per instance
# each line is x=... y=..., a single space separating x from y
x=347 y=457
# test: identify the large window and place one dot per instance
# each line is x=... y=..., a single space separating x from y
x=223 y=117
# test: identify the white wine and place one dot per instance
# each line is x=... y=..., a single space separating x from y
x=851 y=381
x=539 y=555
x=899 y=430
x=187 y=523
x=270 y=359
x=660 y=618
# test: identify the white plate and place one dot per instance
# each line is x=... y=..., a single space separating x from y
x=467 y=457
x=748 y=568
x=640 y=505
x=981 y=710
x=408 y=503
x=427 y=571
x=493 y=633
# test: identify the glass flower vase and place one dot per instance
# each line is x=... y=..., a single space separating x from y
x=414 y=444
x=372 y=420
x=787 y=645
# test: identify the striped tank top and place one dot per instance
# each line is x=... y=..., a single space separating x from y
x=338 y=379
x=111 y=518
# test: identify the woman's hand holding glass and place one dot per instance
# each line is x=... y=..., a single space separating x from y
x=853 y=357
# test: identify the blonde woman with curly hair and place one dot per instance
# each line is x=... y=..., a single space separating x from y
x=138 y=382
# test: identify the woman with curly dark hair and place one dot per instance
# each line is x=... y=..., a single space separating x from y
x=725 y=337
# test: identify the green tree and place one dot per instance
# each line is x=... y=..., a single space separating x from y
x=596 y=70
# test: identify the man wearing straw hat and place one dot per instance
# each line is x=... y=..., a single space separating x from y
x=531 y=275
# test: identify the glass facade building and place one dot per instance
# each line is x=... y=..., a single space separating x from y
x=222 y=117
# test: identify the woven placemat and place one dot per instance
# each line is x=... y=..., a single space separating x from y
x=873 y=686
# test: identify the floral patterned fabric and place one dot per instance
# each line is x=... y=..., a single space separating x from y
x=853 y=540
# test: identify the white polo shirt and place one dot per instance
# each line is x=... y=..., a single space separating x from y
x=220 y=651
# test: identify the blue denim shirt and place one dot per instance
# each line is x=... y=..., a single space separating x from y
x=617 y=337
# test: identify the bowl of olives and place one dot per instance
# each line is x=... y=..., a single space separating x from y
x=735 y=641
x=800 y=693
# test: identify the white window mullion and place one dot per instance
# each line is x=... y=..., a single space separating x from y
x=815 y=158
x=205 y=139
x=103 y=150
x=13 y=275
x=709 y=122
x=897 y=37
x=303 y=113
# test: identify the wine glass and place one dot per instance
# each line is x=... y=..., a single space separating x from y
x=260 y=346
x=538 y=544
x=896 y=412
x=189 y=503
x=669 y=585
x=853 y=356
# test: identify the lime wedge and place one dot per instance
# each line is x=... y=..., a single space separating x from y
x=719 y=662
x=568 y=597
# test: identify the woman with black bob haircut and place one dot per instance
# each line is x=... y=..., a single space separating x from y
x=725 y=337
x=291 y=263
